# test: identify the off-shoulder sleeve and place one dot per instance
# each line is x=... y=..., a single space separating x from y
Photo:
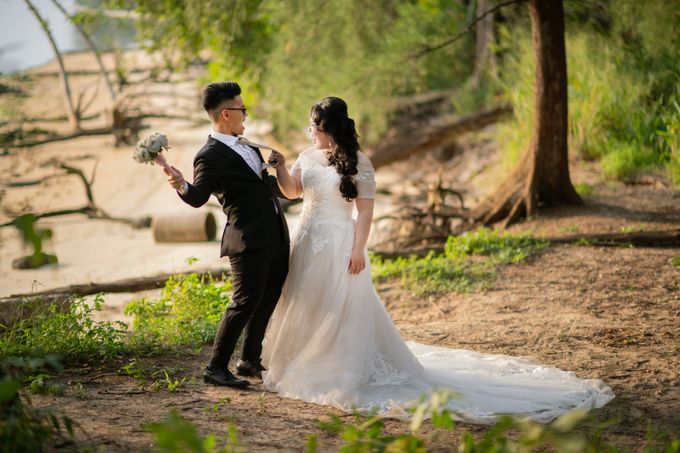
x=365 y=178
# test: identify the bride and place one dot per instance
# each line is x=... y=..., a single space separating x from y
x=331 y=341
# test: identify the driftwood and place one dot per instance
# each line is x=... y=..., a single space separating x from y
x=422 y=225
x=61 y=138
x=404 y=141
x=91 y=209
x=650 y=239
x=129 y=285
x=125 y=129
x=656 y=239
x=18 y=306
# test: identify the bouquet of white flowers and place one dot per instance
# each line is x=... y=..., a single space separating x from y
x=148 y=151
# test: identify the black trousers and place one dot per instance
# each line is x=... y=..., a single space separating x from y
x=257 y=278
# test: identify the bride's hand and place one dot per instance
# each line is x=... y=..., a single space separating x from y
x=277 y=160
x=357 y=262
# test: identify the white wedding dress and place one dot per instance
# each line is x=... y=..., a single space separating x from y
x=331 y=341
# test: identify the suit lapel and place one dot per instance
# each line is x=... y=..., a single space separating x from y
x=233 y=156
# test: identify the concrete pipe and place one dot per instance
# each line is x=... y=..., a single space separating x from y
x=191 y=226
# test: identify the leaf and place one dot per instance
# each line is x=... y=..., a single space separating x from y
x=568 y=421
x=9 y=390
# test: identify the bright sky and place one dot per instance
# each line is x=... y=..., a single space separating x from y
x=22 y=42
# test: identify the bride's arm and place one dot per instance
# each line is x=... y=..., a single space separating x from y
x=357 y=261
x=291 y=186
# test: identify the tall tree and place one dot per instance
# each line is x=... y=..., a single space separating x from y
x=92 y=46
x=485 y=58
x=542 y=176
x=73 y=117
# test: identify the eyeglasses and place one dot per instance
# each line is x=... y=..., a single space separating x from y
x=242 y=109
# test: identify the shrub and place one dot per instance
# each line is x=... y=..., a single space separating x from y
x=187 y=312
x=72 y=333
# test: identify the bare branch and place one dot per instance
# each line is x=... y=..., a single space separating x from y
x=427 y=49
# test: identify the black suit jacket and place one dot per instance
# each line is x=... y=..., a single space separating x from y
x=248 y=201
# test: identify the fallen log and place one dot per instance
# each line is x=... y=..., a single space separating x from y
x=404 y=141
x=652 y=239
x=644 y=239
x=129 y=285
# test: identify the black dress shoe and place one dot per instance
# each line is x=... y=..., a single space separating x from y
x=224 y=378
x=253 y=369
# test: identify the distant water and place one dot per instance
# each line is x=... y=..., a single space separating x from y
x=23 y=44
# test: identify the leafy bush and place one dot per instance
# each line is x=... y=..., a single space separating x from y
x=23 y=427
x=187 y=312
x=455 y=269
x=72 y=333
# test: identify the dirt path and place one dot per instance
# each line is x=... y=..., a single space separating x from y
x=605 y=313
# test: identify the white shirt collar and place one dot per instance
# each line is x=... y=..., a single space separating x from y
x=228 y=140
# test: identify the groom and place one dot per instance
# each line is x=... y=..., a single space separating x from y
x=255 y=238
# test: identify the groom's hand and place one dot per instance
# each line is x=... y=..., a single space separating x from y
x=357 y=262
x=175 y=178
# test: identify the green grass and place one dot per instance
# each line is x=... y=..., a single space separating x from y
x=584 y=189
x=621 y=113
x=187 y=313
x=186 y=316
x=468 y=262
x=71 y=333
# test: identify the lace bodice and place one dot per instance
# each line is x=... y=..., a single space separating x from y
x=322 y=199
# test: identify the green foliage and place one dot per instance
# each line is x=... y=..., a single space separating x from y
x=176 y=435
x=676 y=260
x=237 y=33
x=363 y=58
x=291 y=54
x=367 y=436
x=34 y=237
x=575 y=431
x=432 y=273
x=584 y=189
x=502 y=248
x=572 y=432
x=23 y=427
x=187 y=313
x=159 y=377
x=71 y=333
x=456 y=269
x=623 y=88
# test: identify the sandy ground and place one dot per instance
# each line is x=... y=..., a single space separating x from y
x=606 y=313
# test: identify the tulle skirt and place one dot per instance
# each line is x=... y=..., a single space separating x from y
x=330 y=341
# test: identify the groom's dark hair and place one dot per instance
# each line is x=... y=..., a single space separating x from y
x=216 y=93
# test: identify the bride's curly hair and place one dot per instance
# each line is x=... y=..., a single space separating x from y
x=330 y=116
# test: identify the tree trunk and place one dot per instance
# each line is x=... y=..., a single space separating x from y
x=93 y=48
x=484 y=57
x=70 y=111
x=542 y=176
